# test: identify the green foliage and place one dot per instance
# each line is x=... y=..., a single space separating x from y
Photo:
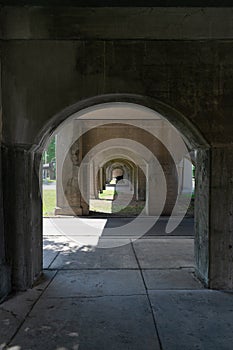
x=50 y=153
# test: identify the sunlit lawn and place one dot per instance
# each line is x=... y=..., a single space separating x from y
x=106 y=205
x=49 y=202
x=110 y=207
x=107 y=194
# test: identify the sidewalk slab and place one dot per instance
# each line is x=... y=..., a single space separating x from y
x=194 y=320
x=89 y=283
x=89 y=257
x=104 y=323
x=14 y=310
x=171 y=279
x=165 y=253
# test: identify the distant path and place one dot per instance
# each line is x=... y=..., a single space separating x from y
x=49 y=186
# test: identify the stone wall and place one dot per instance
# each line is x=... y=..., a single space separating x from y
x=67 y=55
x=58 y=60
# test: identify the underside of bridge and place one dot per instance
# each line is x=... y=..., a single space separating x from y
x=78 y=68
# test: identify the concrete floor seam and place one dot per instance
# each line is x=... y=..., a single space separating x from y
x=98 y=296
x=148 y=298
x=52 y=261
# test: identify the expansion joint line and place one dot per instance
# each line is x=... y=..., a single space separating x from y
x=148 y=297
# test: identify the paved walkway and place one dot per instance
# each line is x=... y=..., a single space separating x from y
x=139 y=295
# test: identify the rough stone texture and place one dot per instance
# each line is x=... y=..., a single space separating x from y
x=202 y=219
x=23 y=217
x=221 y=224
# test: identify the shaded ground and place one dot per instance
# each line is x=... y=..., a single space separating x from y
x=142 y=295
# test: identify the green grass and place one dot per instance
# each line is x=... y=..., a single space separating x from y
x=109 y=207
x=49 y=202
x=107 y=194
x=130 y=209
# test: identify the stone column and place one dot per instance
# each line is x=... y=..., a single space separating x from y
x=141 y=184
x=5 y=270
x=221 y=218
x=155 y=190
x=22 y=214
x=69 y=157
x=84 y=182
x=101 y=179
x=214 y=217
x=92 y=179
x=202 y=194
x=96 y=180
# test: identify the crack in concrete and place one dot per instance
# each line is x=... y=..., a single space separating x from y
x=10 y=312
x=27 y=314
x=148 y=298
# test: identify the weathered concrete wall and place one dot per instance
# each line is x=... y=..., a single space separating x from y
x=55 y=57
x=122 y=3
x=22 y=214
x=214 y=218
x=40 y=78
x=5 y=272
x=221 y=218
x=117 y=23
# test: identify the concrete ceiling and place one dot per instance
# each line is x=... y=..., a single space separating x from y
x=121 y=3
x=119 y=111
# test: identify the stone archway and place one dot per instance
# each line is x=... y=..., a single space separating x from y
x=28 y=227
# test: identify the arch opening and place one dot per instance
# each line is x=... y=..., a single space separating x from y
x=160 y=170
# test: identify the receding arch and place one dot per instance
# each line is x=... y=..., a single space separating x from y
x=192 y=135
x=33 y=221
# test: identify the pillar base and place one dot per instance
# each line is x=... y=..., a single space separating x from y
x=69 y=211
x=5 y=281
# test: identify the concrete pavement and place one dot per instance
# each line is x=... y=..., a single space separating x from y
x=141 y=295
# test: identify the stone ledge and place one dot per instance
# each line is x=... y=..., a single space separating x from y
x=5 y=281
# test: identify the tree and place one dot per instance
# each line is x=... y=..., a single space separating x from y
x=50 y=153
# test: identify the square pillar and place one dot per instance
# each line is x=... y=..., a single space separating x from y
x=22 y=215
x=214 y=217
x=69 y=200
x=221 y=218
x=202 y=198
x=5 y=270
